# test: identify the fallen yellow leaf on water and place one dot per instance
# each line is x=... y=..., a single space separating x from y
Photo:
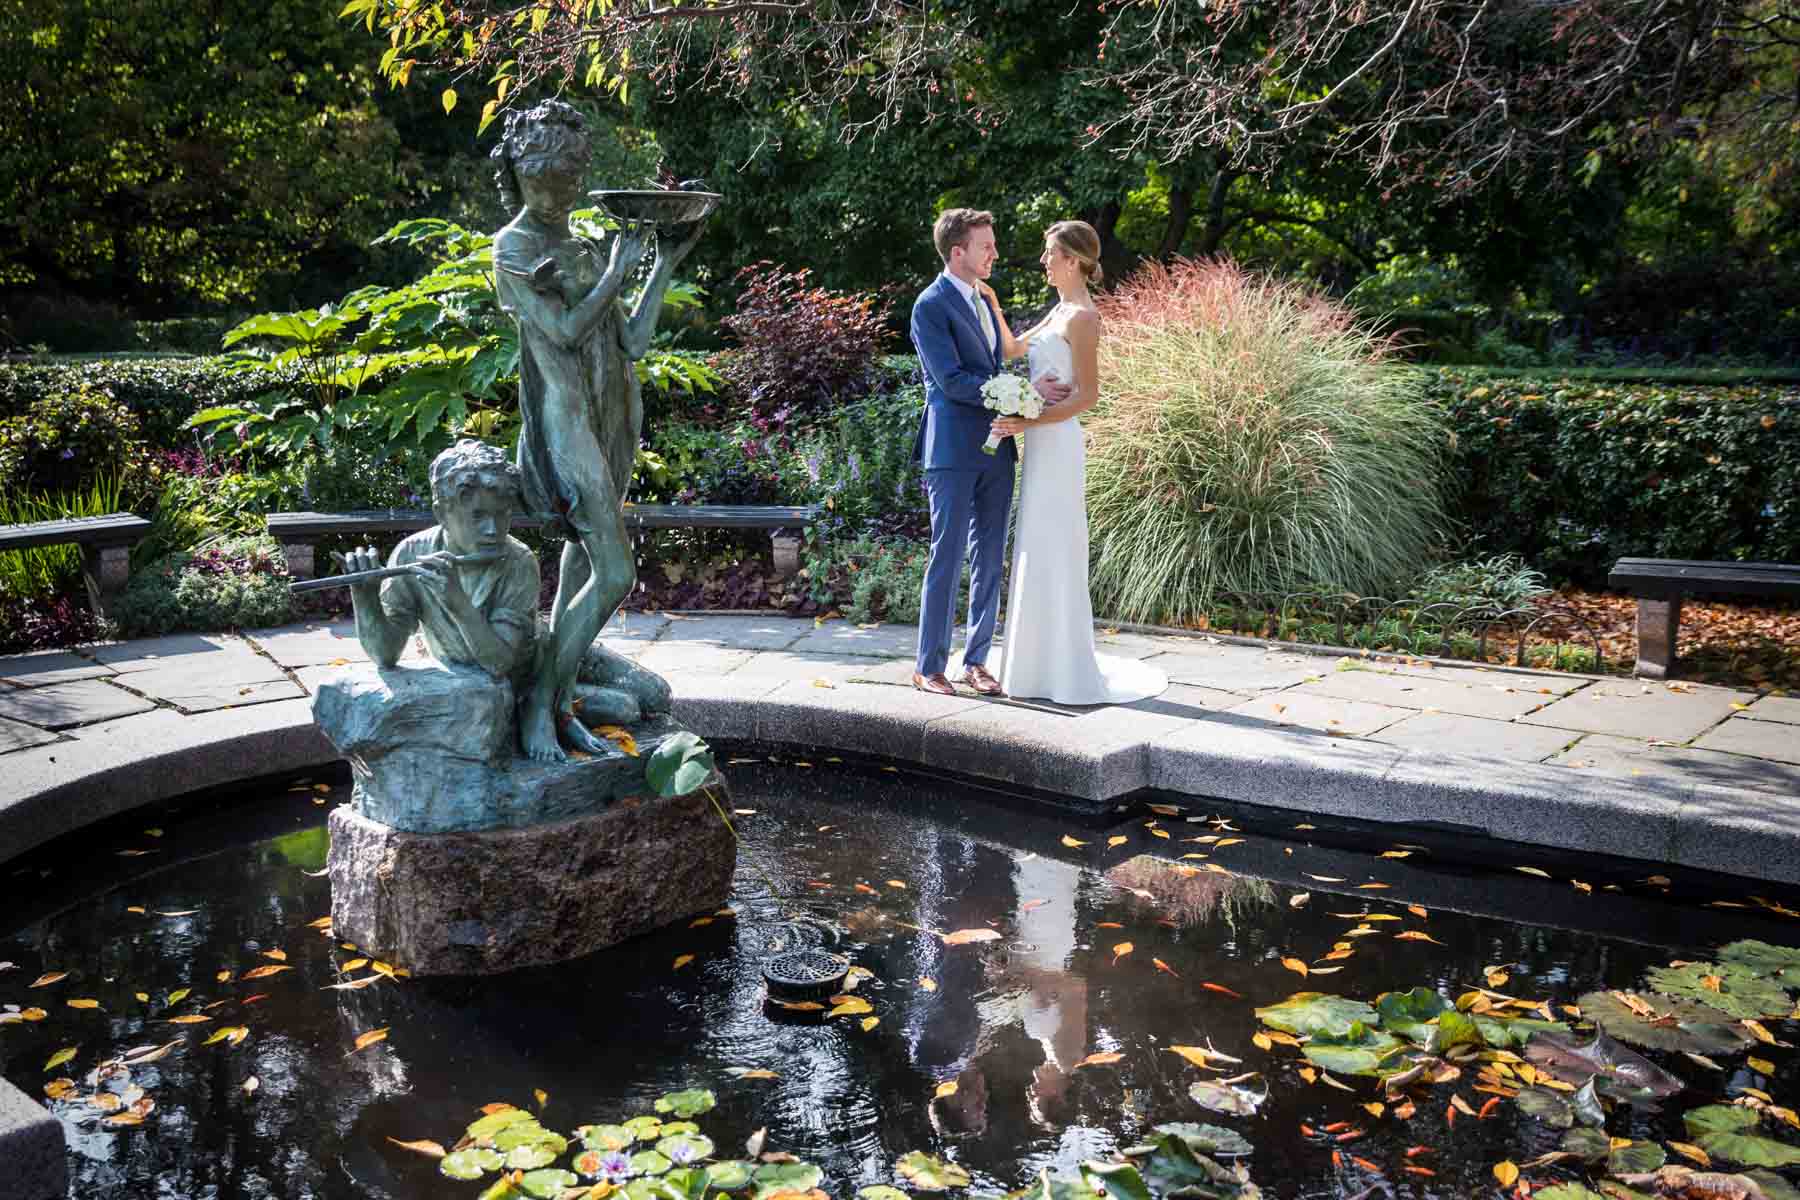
x=1761 y=1065
x=1121 y=950
x=1582 y=887
x=1691 y=1152
x=190 y=1019
x=84 y=1003
x=1762 y=1034
x=1224 y=842
x=1163 y=833
x=1375 y=1108
x=1193 y=1054
x=1029 y=905
x=180 y=994
x=1072 y=843
x=1369 y=886
x=895 y=883
x=47 y=980
x=1299 y=899
x=321 y=923
x=1396 y=854
x=424 y=1146
x=869 y=1023
x=265 y=972
x=1417 y=911
x=1261 y=1041
x=277 y=955
x=963 y=937
x=1100 y=1060
x=1107 y=925
x=1295 y=965
x=365 y=1040
x=142 y=997
x=60 y=1057
x=353 y=965
x=1323 y=878
x=1416 y=935
x=682 y=960
x=824 y=683
x=541 y=1096
x=619 y=737
x=1117 y=840
x=1507 y=1173
x=928 y=983
x=136 y=908
x=1533 y=871
x=850 y=1006
x=944 y=1089
x=231 y=1033
x=1166 y=810
x=757 y=1073
x=125 y=1118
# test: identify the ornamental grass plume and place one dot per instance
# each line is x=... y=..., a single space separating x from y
x=1252 y=437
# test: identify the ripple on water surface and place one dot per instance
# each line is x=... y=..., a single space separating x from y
x=1164 y=929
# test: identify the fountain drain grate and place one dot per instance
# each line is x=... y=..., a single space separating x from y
x=803 y=974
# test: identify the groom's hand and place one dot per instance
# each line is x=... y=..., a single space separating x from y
x=1054 y=391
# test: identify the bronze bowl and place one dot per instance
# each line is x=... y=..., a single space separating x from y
x=664 y=209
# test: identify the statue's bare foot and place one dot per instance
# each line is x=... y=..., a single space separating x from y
x=537 y=735
x=581 y=738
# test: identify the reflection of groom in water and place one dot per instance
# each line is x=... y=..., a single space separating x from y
x=970 y=490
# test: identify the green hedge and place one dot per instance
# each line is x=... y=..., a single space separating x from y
x=1573 y=474
x=1667 y=376
x=163 y=392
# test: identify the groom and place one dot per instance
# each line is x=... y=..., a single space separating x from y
x=970 y=491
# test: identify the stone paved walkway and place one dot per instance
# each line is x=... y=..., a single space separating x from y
x=142 y=701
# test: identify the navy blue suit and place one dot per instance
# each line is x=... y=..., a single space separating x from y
x=970 y=491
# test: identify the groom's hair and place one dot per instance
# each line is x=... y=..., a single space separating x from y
x=953 y=228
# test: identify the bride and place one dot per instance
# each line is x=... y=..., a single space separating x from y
x=1049 y=616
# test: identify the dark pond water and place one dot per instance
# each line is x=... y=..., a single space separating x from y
x=226 y=884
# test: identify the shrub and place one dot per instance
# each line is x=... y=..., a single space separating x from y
x=859 y=465
x=47 y=621
x=800 y=347
x=1496 y=584
x=872 y=579
x=1574 y=474
x=163 y=392
x=229 y=583
x=1253 y=438
x=62 y=442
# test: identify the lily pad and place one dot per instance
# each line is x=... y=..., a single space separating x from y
x=1577 y=1062
x=671 y=1128
x=471 y=1164
x=1506 y=1032
x=1455 y=1029
x=1208 y=1139
x=1734 y=990
x=1410 y=1014
x=1360 y=1052
x=1313 y=1013
x=605 y=1137
x=493 y=1123
x=1173 y=1169
x=1120 y=1181
x=647 y=1187
x=1637 y=1158
x=685 y=1183
x=690 y=1103
x=643 y=1128
x=1612 y=1189
x=786 y=1177
x=1547 y=1106
x=685 y=1148
x=1226 y=1098
x=1676 y=1025
x=502 y=1188
x=529 y=1134
x=731 y=1175
x=1721 y=1130
x=1773 y=1186
x=681 y=763
x=1763 y=958
x=649 y=1162
x=547 y=1185
x=928 y=1172
x=530 y=1157
x=1585 y=1142
x=882 y=1191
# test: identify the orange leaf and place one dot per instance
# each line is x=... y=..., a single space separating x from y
x=1416 y=935
x=1072 y=843
x=47 y=980
x=1507 y=1173
x=1100 y=1060
x=947 y=1088
x=420 y=1147
x=963 y=937
x=1296 y=966
x=1121 y=950
x=682 y=960
x=365 y=1040
x=265 y=972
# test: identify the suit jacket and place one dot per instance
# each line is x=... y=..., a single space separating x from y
x=956 y=360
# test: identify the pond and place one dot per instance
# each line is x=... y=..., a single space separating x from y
x=1079 y=981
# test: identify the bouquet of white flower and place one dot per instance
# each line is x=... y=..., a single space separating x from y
x=1011 y=396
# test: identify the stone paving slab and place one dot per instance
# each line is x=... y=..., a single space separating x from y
x=1640 y=759
x=1323 y=714
x=1542 y=682
x=1641 y=710
x=742 y=633
x=787 y=666
x=17 y=736
x=636 y=627
x=1476 y=736
x=1238 y=668
x=690 y=658
x=312 y=644
x=1785 y=709
x=45 y=667
x=1092 y=753
x=65 y=705
x=1495 y=701
x=879 y=641
x=1759 y=739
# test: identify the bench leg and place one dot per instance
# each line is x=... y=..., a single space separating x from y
x=1658 y=620
x=299 y=556
x=105 y=570
x=785 y=548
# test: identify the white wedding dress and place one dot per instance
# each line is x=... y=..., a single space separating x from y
x=1049 y=648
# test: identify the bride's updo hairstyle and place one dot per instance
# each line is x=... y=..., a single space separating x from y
x=1078 y=240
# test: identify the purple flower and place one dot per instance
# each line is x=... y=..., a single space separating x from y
x=855 y=467
x=813 y=462
x=68 y=453
x=681 y=1151
x=615 y=1167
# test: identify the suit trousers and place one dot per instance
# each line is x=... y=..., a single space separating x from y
x=969 y=511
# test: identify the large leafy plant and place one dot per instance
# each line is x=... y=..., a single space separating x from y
x=411 y=366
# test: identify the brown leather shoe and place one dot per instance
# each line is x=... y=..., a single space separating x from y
x=933 y=683
x=979 y=678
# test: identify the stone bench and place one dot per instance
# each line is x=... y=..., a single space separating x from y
x=299 y=531
x=1660 y=583
x=105 y=543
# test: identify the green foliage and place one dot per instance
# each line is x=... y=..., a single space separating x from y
x=681 y=763
x=800 y=347
x=231 y=583
x=1573 y=475
x=163 y=392
x=403 y=370
x=66 y=439
x=1494 y=584
x=1251 y=438
x=40 y=572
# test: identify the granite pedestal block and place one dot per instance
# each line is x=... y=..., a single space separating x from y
x=32 y=1157
x=482 y=902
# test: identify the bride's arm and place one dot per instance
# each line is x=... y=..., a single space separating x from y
x=1083 y=332
x=1010 y=346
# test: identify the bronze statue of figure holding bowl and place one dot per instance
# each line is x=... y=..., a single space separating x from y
x=578 y=390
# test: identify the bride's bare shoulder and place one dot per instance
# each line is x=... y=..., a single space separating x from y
x=1081 y=323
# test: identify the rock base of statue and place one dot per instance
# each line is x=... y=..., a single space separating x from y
x=456 y=856
x=434 y=749
x=481 y=902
